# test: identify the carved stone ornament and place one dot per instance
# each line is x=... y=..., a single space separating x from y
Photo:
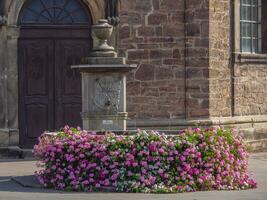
x=102 y=31
x=112 y=12
x=3 y=20
x=108 y=93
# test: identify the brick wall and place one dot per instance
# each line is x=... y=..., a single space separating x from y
x=185 y=56
x=170 y=42
x=152 y=34
x=197 y=58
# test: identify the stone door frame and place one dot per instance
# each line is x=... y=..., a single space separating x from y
x=9 y=131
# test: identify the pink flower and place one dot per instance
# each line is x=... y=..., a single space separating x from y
x=114 y=177
x=196 y=171
x=82 y=155
x=85 y=182
x=144 y=171
x=170 y=158
x=105 y=158
x=72 y=176
x=161 y=151
x=144 y=163
x=127 y=163
x=182 y=158
x=153 y=147
x=200 y=180
x=134 y=164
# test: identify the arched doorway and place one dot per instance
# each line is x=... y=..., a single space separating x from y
x=54 y=35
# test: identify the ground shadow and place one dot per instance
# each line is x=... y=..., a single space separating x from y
x=8 y=184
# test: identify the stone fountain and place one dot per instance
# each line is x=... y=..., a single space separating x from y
x=103 y=84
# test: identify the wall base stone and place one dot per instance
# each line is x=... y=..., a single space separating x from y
x=9 y=137
x=257 y=145
x=253 y=128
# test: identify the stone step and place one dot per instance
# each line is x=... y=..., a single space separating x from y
x=257 y=145
x=254 y=134
x=11 y=152
x=15 y=152
x=27 y=153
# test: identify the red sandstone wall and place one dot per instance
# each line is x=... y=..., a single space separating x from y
x=170 y=42
x=152 y=35
x=197 y=58
x=184 y=52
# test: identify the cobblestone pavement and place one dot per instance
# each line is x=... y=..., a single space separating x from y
x=10 y=190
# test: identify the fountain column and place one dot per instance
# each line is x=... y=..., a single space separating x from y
x=103 y=84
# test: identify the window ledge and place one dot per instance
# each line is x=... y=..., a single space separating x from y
x=250 y=58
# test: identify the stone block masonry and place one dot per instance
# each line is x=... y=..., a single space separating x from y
x=170 y=42
x=152 y=35
x=185 y=56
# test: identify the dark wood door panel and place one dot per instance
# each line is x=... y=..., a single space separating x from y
x=69 y=52
x=36 y=109
x=71 y=114
x=67 y=32
x=68 y=81
x=37 y=119
x=36 y=66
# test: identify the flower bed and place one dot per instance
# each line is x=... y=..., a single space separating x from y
x=193 y=160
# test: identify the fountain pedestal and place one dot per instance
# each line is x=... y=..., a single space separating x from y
x=103 y=84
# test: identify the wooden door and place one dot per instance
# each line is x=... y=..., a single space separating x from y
x=68 y=100
x=35 y=93
x=49 y=90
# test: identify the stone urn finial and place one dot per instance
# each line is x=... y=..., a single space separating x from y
x=3 y=20
x=102 y=31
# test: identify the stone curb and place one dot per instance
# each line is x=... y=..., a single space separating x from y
x=257 y=145
x=196 y=122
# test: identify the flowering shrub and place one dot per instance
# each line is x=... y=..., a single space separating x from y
x=193 y=160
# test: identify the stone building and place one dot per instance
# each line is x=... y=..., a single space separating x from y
x=200 y=62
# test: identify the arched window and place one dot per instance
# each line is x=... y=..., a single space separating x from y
x=53 y=12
